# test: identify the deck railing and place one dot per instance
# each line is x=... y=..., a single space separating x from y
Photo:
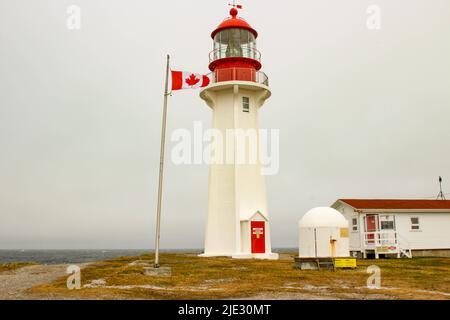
x=387 y=242
x=380 y=238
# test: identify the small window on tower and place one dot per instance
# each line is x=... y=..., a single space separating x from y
x=246 y=104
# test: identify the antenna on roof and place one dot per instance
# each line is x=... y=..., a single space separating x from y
x=441 y=195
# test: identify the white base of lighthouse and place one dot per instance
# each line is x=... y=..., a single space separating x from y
x=270 y=256
x=238 y=220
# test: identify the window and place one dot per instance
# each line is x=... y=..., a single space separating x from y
x=246 y=104
x=355 y=224
x=235 y=42
x=415 y=224
x=387 y=223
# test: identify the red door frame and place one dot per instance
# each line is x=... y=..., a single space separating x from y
x=258 y=237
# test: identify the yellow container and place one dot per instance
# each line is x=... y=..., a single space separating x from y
x=345 y=263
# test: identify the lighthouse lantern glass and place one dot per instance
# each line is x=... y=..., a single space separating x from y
x=235 y=42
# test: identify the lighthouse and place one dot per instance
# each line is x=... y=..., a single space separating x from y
x=238 y=217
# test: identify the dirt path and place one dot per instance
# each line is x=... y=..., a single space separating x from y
x=13 y=284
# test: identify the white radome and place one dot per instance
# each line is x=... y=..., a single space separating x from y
x=323 y=217
x=323 y=233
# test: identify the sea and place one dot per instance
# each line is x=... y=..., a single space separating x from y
x=81 y=256
x=72 y=256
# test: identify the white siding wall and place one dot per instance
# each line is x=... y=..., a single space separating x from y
x=434 y=230
x=245 y=238
x=355 y=236
x=312 y=238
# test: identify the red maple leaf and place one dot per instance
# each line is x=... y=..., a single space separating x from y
x=192 y=80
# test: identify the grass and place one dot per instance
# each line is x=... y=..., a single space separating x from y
x=14 y=266
x=221 y=278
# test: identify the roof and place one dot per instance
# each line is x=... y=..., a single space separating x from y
x=234 y=22
x=397 y=204
x=252 y=217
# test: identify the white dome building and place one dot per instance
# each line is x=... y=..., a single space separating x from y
x=324 y=233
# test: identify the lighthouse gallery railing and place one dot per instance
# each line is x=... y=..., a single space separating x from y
x=238 y=74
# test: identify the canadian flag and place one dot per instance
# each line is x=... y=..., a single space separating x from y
x=188 y=80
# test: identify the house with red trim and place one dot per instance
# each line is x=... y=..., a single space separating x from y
x=399 y=228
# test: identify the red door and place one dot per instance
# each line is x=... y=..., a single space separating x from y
x=371 y=226
x=258 y=229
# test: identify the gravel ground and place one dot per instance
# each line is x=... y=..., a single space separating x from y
x=14 y=284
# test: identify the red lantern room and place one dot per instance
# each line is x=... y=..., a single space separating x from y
x=235 y=57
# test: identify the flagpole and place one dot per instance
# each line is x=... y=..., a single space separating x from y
x=161 y=165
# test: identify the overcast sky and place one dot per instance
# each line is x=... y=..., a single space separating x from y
x=362 y=113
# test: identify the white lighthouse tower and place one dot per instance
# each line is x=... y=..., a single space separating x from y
x=238 y=218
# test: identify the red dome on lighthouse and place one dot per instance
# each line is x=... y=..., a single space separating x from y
x=234 y=56
x=234 y=22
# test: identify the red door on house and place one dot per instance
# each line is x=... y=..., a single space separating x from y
x=258 y=230
x=371 y=226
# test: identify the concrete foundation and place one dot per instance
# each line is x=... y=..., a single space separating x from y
x=445 y=253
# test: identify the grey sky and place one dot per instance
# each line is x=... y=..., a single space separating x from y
x=362 y=113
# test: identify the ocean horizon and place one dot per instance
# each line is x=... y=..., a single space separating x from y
x=73 y=256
